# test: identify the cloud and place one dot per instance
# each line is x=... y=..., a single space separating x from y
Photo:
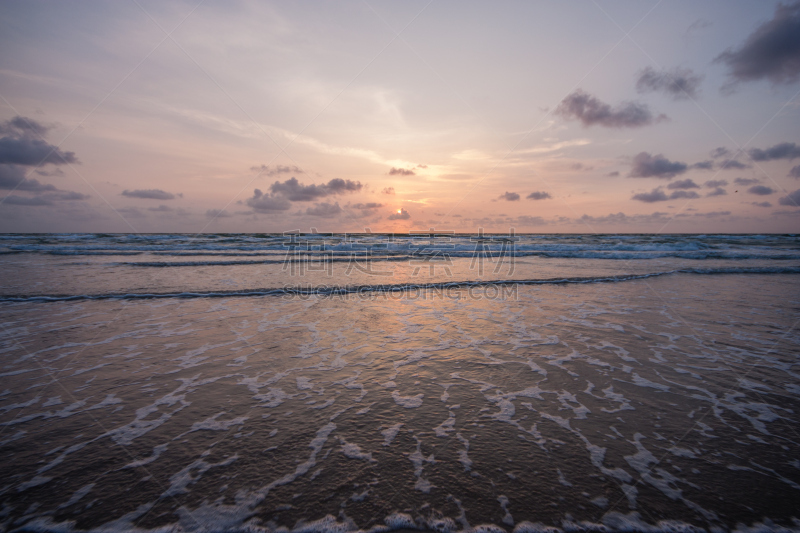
x=324 y=210
x=779 y=151
x=683 y=184
x=161 y=209
x=732 y=163
x=23 y=127
x=527 y=220
x=683 y=194
x=792 y=199
x=509 y=196
x=795 y=172
x=266 y=203
x=772 y=51
x=131 y=212
x=368 y=205
x=277 y=169
x=704 y=165
x=716 y=153
x=538 y=195
x=218 y=213
x=22 y=150
x=658 y=166
x=65 y=195
x=590 y=111
x=388 y=190
x=13 y=177
x=746 y=181
x=402 y=215
x=761 y=204
x=401 y=172
x=718 y=191
x=297 y=192
x=697 y=25
x=622 y=218
x=24 y=200
x=679 y=84
x=613 y=174
x=715 y=183
x=760 y=190
x=21 y=146
x=149 y=194
x=658 y=195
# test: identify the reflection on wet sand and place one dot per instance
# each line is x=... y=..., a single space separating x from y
x=628 y=406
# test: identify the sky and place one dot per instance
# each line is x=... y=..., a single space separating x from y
x=538 y=117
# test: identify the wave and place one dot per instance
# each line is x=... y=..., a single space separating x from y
x=341 y=257
x=401 y=288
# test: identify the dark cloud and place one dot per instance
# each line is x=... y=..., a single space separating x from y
x=297 y=192
x=590 y=111
x=779 y=151
x=266 y=203
x=760 y=190
x=613 y=174
x=716 y=153
x=402 y=215
x=795 y=172
x=704 y=165
x=527 y=220
x=792 y=199
x=772 y=51
x=161 y=209
x=401 y=172
x=697 y=25
x=509 y=196
x=368 y=205
x=761 y=204
x=32 y=152
x=48 y=173
x=388 y=190
x=422 y=166
x=149 y=194
x=131 y=212
x=24 y=200
x=718 y=191
x=278 y=169
x=683 y=184
x=732 y=163
x=658 y=195
x=218 y=213
x=683 y=194
x=22 y=144
x=23 y=127
x=712 y=214
x=746 y=181
x=622 y=218
x=65 y=195
x=679 y=83
x=12 y=177
x=324 y=210
x=715 y=183
x=538 y=195
x=658 y=166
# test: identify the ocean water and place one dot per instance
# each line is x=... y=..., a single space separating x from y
x=331 y=383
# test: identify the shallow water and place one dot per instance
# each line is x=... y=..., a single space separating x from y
x=651 y=404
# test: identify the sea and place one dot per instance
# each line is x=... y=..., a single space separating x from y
x=432 y=381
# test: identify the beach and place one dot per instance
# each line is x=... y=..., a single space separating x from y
x=611 y=401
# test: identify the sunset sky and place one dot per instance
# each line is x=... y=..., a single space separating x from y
x=544 y=117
